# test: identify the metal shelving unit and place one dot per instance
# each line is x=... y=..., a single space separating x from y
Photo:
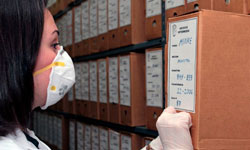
x=160 y=42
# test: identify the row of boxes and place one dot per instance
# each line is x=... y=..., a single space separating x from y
x=125 y=90
x=64 y=134
x=55 y=6
x=208 y=75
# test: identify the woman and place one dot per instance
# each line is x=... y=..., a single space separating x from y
x=35 y=71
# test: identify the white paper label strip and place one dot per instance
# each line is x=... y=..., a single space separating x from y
x=113 y=14
x=103 y=139
x=154 y=78
x=71 y=95
x=125 y=12
x=72 y=135
x=182 y=64
x=69 y=28
x=78 y=81
x=173 y=4
x=95 y=138
x=78 y=35
x=153 y=8
x=87 y=138
x=93 y=81
x=85 y=20
x=113 y=80
x=102 y=16
x=114 y=140
x=102 y=81
x=126 y=142
x=85 y=81
x=80 y=135
x=125 y=98
x=189 y=1
x=93 y=18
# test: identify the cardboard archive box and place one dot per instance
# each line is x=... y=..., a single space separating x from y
x=69 y=33
x=175 y=8
x=154 y=100
x=93 y=87
x=113 y=24
x=103 y=89
x=237 y=6
x=209 y=77
x=132 y=89
x=80 y=136
x=93 y=26
x=114 y=104
x=131 y=141
x=68 y=102
x=51 y=5
x=131 y=22
x=84 y=46
x=72 y=135
x=82 y=104
x=104 y=138
x=103 y=25
x=153 y=19
x=95 y=138
x=87 y=137
x=78 y=30
x=114 y=140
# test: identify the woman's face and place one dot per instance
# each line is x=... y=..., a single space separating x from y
x=47 y=53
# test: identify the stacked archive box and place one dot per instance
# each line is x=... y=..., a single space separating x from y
x=207 y=71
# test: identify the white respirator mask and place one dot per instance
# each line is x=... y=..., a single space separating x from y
x=62 y=77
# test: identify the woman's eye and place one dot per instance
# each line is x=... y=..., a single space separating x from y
x=56 y=46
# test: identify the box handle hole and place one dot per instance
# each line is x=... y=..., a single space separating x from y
x=113 y=36
x=103 y=110
x=125 y=112
x=154 y=23
x=155 y=115
x=125 y=32
x=175 y=14
x=196 y=6
x=103 y=38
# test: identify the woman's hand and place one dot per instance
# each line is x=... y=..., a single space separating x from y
x=174 y=131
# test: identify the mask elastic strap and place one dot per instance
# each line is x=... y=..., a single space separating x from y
x=62 y=64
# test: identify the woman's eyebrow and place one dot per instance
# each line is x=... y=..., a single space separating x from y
x=56 y=31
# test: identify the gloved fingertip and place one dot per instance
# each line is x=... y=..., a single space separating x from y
x=170 y=110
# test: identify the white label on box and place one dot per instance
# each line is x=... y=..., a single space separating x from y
x=78 y=35
x=64 y=30
x=93 y=81
x=50 y=3
x=71 y=94
x=114 y=140
x=154 y=78
x=72 y=135
x=59 y=135
x=80 y=138
x=190 y=1
x=85 y=20
x=173 y=4
x=78 y=81
x=113 y=14
x=102 y=81
x=95 y=138
x=153 y=8
x=126 y=142
x=125 y=98
x=113 y=80
x=93 y=18
x=182 y=64
x=69 y=28
x=87 y=138
x=85 y=81
x=102 y=16
x=103 y=139
x=125 y=12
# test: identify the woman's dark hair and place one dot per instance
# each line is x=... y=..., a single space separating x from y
x=21 y=28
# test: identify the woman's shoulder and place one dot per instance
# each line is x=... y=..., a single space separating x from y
x=8 y=144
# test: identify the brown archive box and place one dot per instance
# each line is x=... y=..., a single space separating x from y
x=72 y=135
x=153 y=21
x=132 y=89
x=131 y=22
x=103 y=25
x=103 y=89
x=104 y=138
x=77 y=30
x=87 y=137
x=131 y=141
x=215 y=85
x=175 y=8
x=113 y=79
x=93 y=26
x=154 y=100
x=82 y=104
x=84 y=46
x=68 y=102
x=113 y=24
x=237 y=6
x=69 y=33
x=95 y=141
x=93 y=88
x=80 y=135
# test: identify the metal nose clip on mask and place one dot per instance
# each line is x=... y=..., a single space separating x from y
x=62 y=77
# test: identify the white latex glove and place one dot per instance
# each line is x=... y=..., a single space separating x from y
x=155 y=144
x=174 y=131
